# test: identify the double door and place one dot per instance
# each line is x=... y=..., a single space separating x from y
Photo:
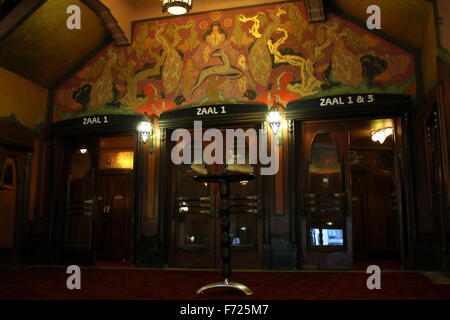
x=350 y=195
x=96 y=214
x=324 y=180
x=194 y=217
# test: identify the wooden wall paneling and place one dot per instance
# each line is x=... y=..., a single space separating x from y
x=139 y=203
x=400 y=181
x=56 y=161
x=21 y=159
x=279 y=185
x=268 y=198
x=282 y=199
x=44 y=174
x=443 y=98
x=157 y=178
x=443 y=105
x=10 y=254
x=36 y=179
x=8 y=199
x=164 y=204
x=294 y=204
x=265 y=196
x=22 y=219
x=406 y=170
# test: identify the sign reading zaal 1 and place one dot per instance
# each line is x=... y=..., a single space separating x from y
x=95 y=120
x=346 y=100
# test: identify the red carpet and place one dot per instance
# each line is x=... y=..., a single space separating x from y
x=141 y=284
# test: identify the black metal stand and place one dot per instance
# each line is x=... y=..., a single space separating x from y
x=224 y=180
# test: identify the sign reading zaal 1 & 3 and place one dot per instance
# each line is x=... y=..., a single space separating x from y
x=347 y=99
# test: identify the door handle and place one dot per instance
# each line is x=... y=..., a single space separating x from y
x=107 y=213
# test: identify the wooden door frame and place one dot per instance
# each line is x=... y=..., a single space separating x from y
x=117 y=125
x=246 y=115
x=64 y=152
x=304 y=246
x=22 y=163
x=390 y=106
x=402 y=179
x=166 y=229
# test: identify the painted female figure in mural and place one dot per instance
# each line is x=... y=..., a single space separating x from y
x=216 y=66
x=102 y=88
x=215 y=36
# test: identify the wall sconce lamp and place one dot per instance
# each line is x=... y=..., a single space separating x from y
x=146 y=130
x=274 y=117
x=83 y=150
x=176 y=7
x=380 y=135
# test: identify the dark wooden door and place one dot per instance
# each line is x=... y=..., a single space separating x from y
x=80 y=170
x=324 y=180
x=8 y=200
x=194 y=228
x=375 y=223
x=114 y=215
x=12 y=203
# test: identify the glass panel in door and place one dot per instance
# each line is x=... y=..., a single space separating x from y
x=326 y=219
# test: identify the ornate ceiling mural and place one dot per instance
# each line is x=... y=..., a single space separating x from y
x=251 y=55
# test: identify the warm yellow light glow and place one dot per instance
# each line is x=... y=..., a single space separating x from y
x=83 y=150
x=274 y=118
x=380 y=135
x=116 y=160
x=176 y=10
x=145 y=129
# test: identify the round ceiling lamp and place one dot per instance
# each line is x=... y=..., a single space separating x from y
x=177 y=7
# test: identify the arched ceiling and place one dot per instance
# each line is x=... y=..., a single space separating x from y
x=42 y=49
x=403 y=20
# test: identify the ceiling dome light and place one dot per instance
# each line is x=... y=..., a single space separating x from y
x=176 y=7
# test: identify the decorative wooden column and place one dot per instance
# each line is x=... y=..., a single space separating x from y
x=224 y=181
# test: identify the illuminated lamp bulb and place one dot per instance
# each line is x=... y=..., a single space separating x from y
x=380 y=135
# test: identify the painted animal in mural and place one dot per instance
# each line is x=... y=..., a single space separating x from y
x=225 y=70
